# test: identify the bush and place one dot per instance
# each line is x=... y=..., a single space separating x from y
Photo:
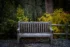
x=57 y=17
x=45 y=18
x=8 y=18
x=20 y=14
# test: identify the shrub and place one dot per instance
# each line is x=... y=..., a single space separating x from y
x=57 y=17
x=60 y=17
x=20 y=14
x=45 y=18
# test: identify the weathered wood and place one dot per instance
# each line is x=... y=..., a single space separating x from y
x=34 y=34
x=34 y=29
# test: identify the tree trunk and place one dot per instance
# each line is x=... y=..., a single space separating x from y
x=49 y=6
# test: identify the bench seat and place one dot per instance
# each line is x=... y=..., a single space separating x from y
x=34 y=34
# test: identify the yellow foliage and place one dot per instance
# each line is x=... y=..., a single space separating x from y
x=20 y=14
x=20 y=11
x=60 y=16
x=25 y=19
x=45 y=18
x=57 y=17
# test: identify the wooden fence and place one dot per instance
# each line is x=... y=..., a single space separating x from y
x=67 y=31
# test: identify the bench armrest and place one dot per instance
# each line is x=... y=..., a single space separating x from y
x=18 y=30
x=51 y=29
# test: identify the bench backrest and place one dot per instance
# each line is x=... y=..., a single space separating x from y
x=34 y=27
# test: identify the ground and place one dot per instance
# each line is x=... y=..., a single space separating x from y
x=13 y=43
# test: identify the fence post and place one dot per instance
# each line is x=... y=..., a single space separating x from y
x=66 y=30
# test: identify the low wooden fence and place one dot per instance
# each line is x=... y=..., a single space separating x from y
x=67 y=30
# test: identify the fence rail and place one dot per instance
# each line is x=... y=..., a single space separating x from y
x=66 y=29
x=59 y=25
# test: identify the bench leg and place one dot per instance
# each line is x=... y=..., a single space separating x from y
x=51 y=41
x=18 y=39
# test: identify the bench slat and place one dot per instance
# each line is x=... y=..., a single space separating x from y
x=34 y=34
x=34 y=27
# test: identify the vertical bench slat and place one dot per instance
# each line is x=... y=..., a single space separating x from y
x=25 y=27
x=32 y=27
x=46 y=28
x=28 y=27
x=43 y=27
x=40 y=28
x=37 y=28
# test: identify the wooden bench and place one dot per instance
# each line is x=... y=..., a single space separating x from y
x=34 y=29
